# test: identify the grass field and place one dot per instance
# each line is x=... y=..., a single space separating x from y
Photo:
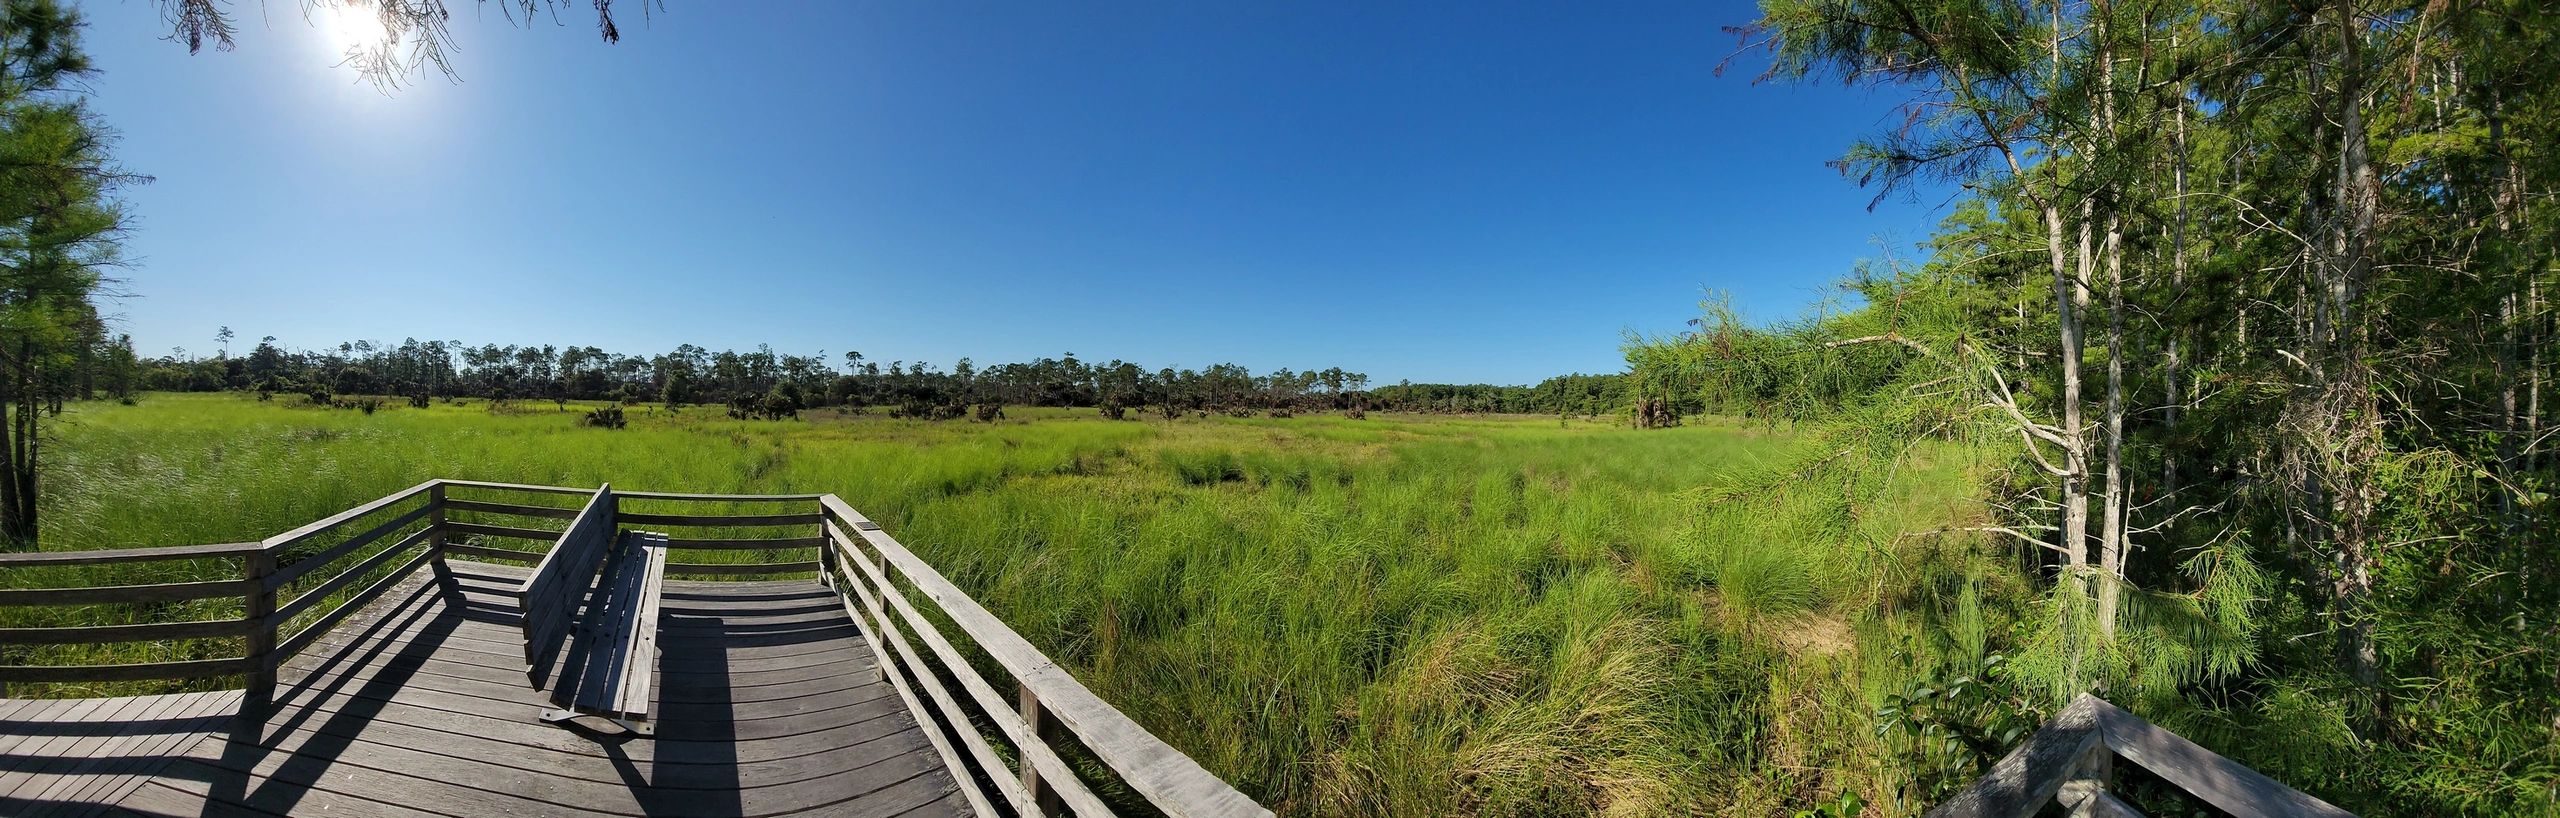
x=1397 y=616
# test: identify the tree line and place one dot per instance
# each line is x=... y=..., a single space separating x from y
x=765 y=383
x=2257 y=298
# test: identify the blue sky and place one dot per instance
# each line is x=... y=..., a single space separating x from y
x=1441 y=192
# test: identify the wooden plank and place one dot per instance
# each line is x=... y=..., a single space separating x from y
x=191 y=669
x=104 y=556
x=553 y=512
x=121 y=756
x=482 y=484
x=482 y=552
x=306 y=565
x=107 y=594
x=50 y=752
x=334 y=520
x=154 y=631
x=2022 y=782
x=644 y=645
x=736 y=520
x=723 y=498
x=302 y=602
x=743 y=569
x=110 y=755
x=1172 y=781
x=613 y=628
x=487 y=530
x=2224 y=783
x=689 y=543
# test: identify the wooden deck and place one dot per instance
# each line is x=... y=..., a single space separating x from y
x=811 y=664
x=772 y=703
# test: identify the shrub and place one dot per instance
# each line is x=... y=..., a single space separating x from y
x=609 y=417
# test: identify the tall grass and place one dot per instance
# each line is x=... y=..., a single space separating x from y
x=1398 y=616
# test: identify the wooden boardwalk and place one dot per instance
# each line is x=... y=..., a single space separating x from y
x=385 y=667
x=771 y=704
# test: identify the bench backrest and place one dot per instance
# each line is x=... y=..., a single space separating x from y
x=551 y=595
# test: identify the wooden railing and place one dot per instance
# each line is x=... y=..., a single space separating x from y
x=1048 y=706
x=287 y=599
x=2071 y=759
x=1017 y=742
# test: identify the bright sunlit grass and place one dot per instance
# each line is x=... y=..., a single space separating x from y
x=1403 y=615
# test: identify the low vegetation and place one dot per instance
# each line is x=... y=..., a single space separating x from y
x=1408 y=615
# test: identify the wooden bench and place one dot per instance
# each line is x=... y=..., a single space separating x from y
x=591 y=618
x=607 y=673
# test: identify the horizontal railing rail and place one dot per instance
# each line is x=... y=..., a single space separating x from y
x=2071 y=758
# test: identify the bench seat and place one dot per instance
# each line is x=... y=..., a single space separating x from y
x=608 y=674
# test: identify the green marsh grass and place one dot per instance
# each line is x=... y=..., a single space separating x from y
x=1396 y=616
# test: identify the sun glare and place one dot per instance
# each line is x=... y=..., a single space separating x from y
x=348 y=28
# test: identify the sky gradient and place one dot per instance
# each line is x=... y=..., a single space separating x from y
x=1434 y=192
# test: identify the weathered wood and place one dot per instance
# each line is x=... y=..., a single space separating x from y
x=741 y=569
x=484 y=507
x=260 y=607
x=192 y=669
x=710 y=520
x=487 y=530
x=289 y=573
x=1041 y=792
x=619 y=653
x=105 y=556
x=723 y=498
x=147 y=632
x=697 y=544
x=2219 y=781
x=482 y=484
x=2085 y=799
x=423 y=681
x=485 y=552
x=1172 y=781
x=2022 y=782
x=109 y=594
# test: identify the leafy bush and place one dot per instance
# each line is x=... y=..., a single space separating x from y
x=609 y=417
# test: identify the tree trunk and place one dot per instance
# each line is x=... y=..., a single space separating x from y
x=2354 y=436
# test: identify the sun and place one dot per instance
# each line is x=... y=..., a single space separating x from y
x=348 y=29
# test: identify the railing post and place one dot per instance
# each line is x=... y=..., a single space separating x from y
x=827 y=549
x=435 y=537
x=1045 y=728
x=260 y=610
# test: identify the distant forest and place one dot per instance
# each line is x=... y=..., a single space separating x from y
x=766 y=383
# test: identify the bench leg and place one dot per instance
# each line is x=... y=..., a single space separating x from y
x=642 y=729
